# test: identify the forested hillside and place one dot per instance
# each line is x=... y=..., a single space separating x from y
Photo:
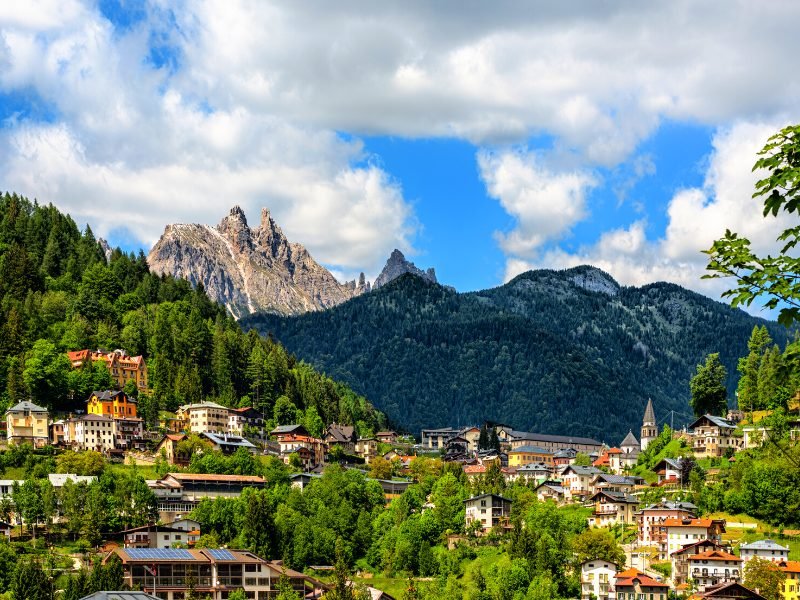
x=567 y=352
x=58 y=292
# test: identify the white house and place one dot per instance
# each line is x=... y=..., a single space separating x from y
x=766 y=549
x=713 y=567
x=597 y=579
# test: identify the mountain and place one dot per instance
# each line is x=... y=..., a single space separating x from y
x=249 y=270
x=396 y=266
x=569 y=352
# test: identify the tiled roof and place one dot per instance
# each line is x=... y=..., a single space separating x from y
x=566 y=453
x=672 y=505
x=615 y=479
x=673 y=522
x=617 y=497
x=580 y=470
x=286 y=429
x=120 y=596
x=718 y=421
x=625 y=578
x=341 y=433
x=789 y=566
x=714 y=555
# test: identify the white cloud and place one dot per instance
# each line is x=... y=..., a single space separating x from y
x=545 y=204
x=696 y=217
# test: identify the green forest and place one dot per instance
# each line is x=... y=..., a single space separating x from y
x=59 y=292
x=539 y=353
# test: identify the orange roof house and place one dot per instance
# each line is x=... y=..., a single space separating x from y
x=123 y=368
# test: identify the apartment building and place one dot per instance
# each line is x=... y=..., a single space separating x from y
x=597 y=580
x=27 y=422
x=123 y=368
x=713 y=436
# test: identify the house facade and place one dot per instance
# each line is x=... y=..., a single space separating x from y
x=713 y=437
x=597 y=580
x=489 y=510
x=680 y=560
x=713 y=567
x=204 y=416
x=123 y=368
x=27 y=422
x=611 y=508
x=90 y=432
x=765 y=549
x=524 y=455
x=650 y=521
x=682 y=532
x=632 y=584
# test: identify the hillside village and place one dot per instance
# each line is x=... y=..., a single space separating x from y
x=670 y=547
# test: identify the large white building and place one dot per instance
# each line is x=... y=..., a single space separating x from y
x=765 y=549
x=597 y=579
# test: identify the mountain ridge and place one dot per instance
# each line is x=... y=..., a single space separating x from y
x=568 y=352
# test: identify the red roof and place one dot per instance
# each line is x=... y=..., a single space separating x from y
x=673 y=522
x=715 y=555
x=789 y=566
x=627 y=577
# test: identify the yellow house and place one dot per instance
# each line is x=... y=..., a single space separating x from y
x=525 y=455
x=791 y=585
x=112 y=404
x=123 y=368
x=27 y=422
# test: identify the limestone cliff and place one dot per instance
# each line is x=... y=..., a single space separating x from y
x=396 y=266
x=249 y=270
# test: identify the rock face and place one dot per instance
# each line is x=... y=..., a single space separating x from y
x=396 y=266
x=250 y=270
x=106 y=249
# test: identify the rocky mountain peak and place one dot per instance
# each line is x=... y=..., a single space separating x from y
x=397 y=265
x=593 y=279
x=249 y=270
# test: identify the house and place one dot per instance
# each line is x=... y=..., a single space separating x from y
x=615 y=483
x=474 y=471
x=123 y=368
x=204 y=416
x=650 y=521
x=5 y=529
x=227 y=443
x=681 y=532
x=178 y=494
x=680 y=559
x=729 y=591
x=169 y=445
x=90 y=432
x=343 y=436
x=523 y=455
x=27 y=422
x=597 y=580
x=386 y=437
x=283 y=431
x=791 y=585
x=489 y=510
x=766 y=549
x=551 y=490
x=59 y=480
x=713 y=437
x=246 y=421
x=611 y=508
x=310 y=449
x=302 y=480
x=111 y=403
x=57 y=432
x=564 y=457
x=435 y=439
x=713 y=567
x=159 y=536
x=128 y=432
x=367 y=448
x=669 y=471
x=632 y=584
x=537 y=471
x=577 y=479
x=457 y=448
x=472 y=436
x=212 y=573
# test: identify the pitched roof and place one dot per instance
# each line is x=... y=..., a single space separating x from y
x=763 y=545
x=688 y=547
x=619 y=497
x=715 y=555
x=566 y=453
x=626 y=578
x=649 y=413
x=287 y=429
x=580 y=470
x=27 y=405
x=529 y=450
x=615 y=479
x=723 y=590
x=630 y=440
x=789 y=566
x=226 y=439
x=341 y=434
x=706 y=523
x=672 y=505
x=487 y=496
x=545 y=437
x=120 y=596
x=717 y=421
x=215 y=477
x=107 y=394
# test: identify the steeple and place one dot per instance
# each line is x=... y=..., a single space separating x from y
x=649 y=429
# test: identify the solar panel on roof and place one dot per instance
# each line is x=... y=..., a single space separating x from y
x=221 y=555
x=159 y=554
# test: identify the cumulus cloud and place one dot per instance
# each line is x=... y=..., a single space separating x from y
x=544 y=203
x=243 y=98
x=696 y=217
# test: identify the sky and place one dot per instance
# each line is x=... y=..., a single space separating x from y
x=483 y=139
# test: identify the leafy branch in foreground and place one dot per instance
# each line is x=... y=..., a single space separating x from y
x=776 y=277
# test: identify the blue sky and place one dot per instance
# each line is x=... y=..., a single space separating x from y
x=480 y=140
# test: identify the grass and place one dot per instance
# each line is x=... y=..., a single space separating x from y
x=762 y=531
x=145 y=471
x=394 y=586
x=14 y=473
